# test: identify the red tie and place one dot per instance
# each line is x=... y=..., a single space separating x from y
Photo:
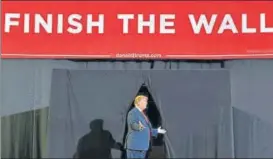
x=147 y=120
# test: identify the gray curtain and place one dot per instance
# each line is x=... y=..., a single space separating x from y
x=24 y=135
x=195 y=105
x=196 y=113
x=79 y=99
x=29 y=82
x=24 y=97
x=251 y=89
x=251 y=94
x=25 y=91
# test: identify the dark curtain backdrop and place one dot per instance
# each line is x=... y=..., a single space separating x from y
x=194 y=105
x=26 y=89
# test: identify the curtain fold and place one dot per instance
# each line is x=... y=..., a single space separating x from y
x=23 y=135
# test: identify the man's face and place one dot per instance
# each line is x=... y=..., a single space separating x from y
x=143 y=103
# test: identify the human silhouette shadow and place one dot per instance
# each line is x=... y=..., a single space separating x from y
x=96 y=144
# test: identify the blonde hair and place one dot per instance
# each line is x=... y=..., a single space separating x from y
x=138 y=99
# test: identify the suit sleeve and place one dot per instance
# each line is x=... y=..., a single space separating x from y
x=133 y=122
x=154 y=132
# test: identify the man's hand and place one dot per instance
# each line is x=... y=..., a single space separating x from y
x=141 y=127
x=119 y=146
x=161 y=131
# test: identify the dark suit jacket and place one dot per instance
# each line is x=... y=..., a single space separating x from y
x=136 y=138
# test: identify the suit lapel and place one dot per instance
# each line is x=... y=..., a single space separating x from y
x=144 y=118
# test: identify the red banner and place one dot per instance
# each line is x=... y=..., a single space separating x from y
x=137 y=29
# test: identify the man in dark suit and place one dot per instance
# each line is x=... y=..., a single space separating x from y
x=140 y=130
